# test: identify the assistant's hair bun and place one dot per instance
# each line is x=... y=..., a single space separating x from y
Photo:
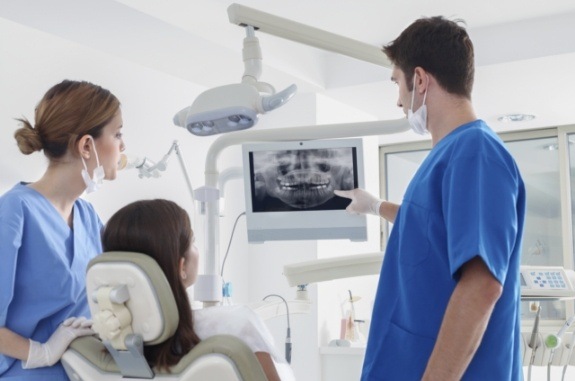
x=27 y=138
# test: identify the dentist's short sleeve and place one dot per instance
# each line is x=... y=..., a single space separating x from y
x=479 y=205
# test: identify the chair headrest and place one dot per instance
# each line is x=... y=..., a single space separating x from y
x=150 y=301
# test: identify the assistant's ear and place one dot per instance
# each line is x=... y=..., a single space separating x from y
x=84 y=146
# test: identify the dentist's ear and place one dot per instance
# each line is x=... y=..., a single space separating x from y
x=422 y=79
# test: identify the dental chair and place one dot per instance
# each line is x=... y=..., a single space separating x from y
x=132 y=306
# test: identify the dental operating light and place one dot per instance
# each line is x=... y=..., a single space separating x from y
x=237 y=106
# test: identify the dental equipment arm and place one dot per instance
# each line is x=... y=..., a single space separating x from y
x=148 y=168
x=294 y=31
x=323 y=269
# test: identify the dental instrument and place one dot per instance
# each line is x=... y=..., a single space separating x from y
x=571 y=345
x=534 y=342
x=288 y=347
x=553 y=341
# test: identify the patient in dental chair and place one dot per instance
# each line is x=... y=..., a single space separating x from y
x=161 y=229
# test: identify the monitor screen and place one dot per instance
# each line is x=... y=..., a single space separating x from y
x=289 y=189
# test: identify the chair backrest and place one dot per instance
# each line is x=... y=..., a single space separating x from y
x=149 y=299
x=132 y=305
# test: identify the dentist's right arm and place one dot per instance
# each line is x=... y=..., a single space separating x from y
x=363 y=202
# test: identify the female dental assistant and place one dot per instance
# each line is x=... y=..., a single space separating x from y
x=48 y=234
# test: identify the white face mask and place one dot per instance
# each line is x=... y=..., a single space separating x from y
x=94 y=183
x=418 y=119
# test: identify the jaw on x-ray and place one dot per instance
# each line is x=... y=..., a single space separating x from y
x=301 y=179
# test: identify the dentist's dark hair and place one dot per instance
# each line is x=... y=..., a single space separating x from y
x=440 y=46
x=162 y=230
x=68 y=111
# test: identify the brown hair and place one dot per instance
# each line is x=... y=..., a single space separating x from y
x=161 y=229
x=439 y=46
x=68 y=111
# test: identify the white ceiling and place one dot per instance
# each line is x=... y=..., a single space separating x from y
x=525 y=49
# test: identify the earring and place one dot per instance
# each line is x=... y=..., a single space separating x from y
x=184 y=275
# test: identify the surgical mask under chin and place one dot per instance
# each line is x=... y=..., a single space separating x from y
x=418 y=119
x=95 y=182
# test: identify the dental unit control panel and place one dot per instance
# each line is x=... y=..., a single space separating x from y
x=547 y=282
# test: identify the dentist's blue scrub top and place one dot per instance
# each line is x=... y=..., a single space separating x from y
x=42 y=271
x=467 y=199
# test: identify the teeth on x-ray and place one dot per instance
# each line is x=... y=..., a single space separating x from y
x=304 y=178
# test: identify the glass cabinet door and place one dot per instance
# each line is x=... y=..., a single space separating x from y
x=538 y=161
x=400 y=167
x=571 y=152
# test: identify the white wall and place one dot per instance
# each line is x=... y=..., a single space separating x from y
x=33 y=61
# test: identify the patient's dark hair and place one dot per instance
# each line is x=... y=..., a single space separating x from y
x=162 y=230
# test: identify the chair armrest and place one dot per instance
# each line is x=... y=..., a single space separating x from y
x=93 y=350
x=229 y=346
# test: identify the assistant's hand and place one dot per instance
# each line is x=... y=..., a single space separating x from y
x=362 y=202
x=50 y=352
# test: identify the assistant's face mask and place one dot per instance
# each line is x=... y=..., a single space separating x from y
x=418 y=119
x=95 y=182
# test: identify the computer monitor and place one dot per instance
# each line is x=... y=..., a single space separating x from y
x=289 y=190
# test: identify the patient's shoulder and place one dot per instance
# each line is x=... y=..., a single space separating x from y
x=237 y=320
x=224 y=320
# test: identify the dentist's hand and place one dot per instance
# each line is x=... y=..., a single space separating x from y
x=362 y=202
x=50 y=352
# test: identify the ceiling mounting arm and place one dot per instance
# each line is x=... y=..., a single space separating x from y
x=291 y=30
x=252 y=55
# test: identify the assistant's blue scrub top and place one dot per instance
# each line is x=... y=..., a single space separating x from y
x=42 y=271
x=467 y=199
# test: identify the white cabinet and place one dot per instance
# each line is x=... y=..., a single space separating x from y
x=341 y=363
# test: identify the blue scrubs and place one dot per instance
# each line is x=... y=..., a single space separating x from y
x=42 y=271
x=467 y=199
